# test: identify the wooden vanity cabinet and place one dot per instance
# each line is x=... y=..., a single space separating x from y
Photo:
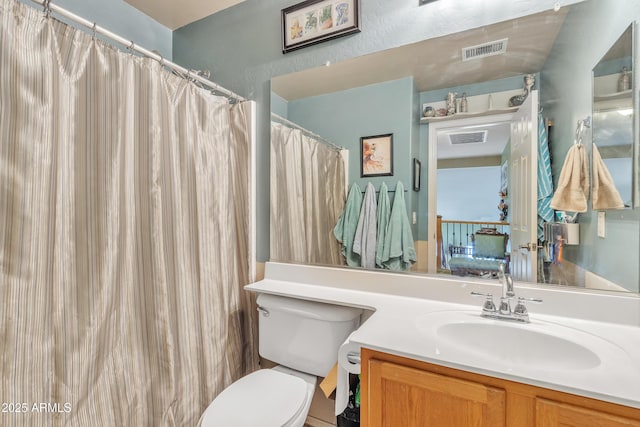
x=401 y=392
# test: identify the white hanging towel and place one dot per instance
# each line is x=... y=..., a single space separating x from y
x=364 y=243
x=605 y=195
x=573 y=186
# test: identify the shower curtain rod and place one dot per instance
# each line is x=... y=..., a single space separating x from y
x=315 y=135
x=183 y=72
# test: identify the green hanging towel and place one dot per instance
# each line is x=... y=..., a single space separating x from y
x=398 y=251
x=345 y=229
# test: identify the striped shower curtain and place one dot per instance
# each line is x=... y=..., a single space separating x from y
x=124 y=218
x=307 y=186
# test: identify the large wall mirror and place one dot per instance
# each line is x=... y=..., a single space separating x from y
x=453 y=189
x=613 y=115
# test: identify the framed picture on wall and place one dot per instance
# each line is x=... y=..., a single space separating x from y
x=376 y=154
x=315 y=21
x=417 y=166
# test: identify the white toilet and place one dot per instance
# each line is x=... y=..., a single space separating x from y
x=304 y=337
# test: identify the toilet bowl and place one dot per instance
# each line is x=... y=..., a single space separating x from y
x=304 y=338
x=276 y=397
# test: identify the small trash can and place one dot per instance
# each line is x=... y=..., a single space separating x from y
x=349 y=418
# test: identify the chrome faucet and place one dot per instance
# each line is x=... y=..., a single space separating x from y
x=504 y=312
x=507 y=283
x=507 y=291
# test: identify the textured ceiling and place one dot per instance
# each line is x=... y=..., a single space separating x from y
x=178 y=13
x=498 y=135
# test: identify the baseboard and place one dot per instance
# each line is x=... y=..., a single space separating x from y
x=315 y=422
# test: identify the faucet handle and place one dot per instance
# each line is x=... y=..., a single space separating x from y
x=533 y=300
x=521 y=310
x=488 y=306
x=505 y=306
x=480 y=294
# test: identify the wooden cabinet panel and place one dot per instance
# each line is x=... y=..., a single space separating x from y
x=408 y=397
x=556 y=414
x=401 y=392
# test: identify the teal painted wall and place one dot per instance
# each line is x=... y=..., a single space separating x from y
x=346 y=116
x=279 y=106
x=469 y=194
x=343 y=117
x=566 y=79
x=241 y=46
x=416 y=114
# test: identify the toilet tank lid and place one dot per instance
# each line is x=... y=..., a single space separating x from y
x=309 y=309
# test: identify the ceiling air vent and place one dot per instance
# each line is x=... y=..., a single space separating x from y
x=468 y=137
x=497 y=47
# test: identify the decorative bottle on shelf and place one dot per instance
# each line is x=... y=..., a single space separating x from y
x=464 y=105
x=624 y=82
x=451 y=103
x=529 y=81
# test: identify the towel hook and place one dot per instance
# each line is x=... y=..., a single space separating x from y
x=586 y=122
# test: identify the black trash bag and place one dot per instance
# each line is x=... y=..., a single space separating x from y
x=350 y=417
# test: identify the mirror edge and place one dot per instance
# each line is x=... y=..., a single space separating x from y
x=635 y=43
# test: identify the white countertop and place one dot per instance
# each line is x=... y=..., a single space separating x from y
x=400 y=302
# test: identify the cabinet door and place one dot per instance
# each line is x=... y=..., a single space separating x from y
x=409 y=397
x=555 y=414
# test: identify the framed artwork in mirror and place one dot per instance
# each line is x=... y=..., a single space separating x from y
x=315 y=21
x=376 y=154
x=417 y=168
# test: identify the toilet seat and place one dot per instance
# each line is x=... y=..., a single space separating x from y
x=266 y=398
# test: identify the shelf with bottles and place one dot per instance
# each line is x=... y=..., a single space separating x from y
x=478 y=106
x=625 y=94
x=609 y=87
x=468 y=115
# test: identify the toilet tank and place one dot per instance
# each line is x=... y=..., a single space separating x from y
x=303 y=335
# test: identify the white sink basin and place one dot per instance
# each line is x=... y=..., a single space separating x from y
x=539 y=346
x=518 y=345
